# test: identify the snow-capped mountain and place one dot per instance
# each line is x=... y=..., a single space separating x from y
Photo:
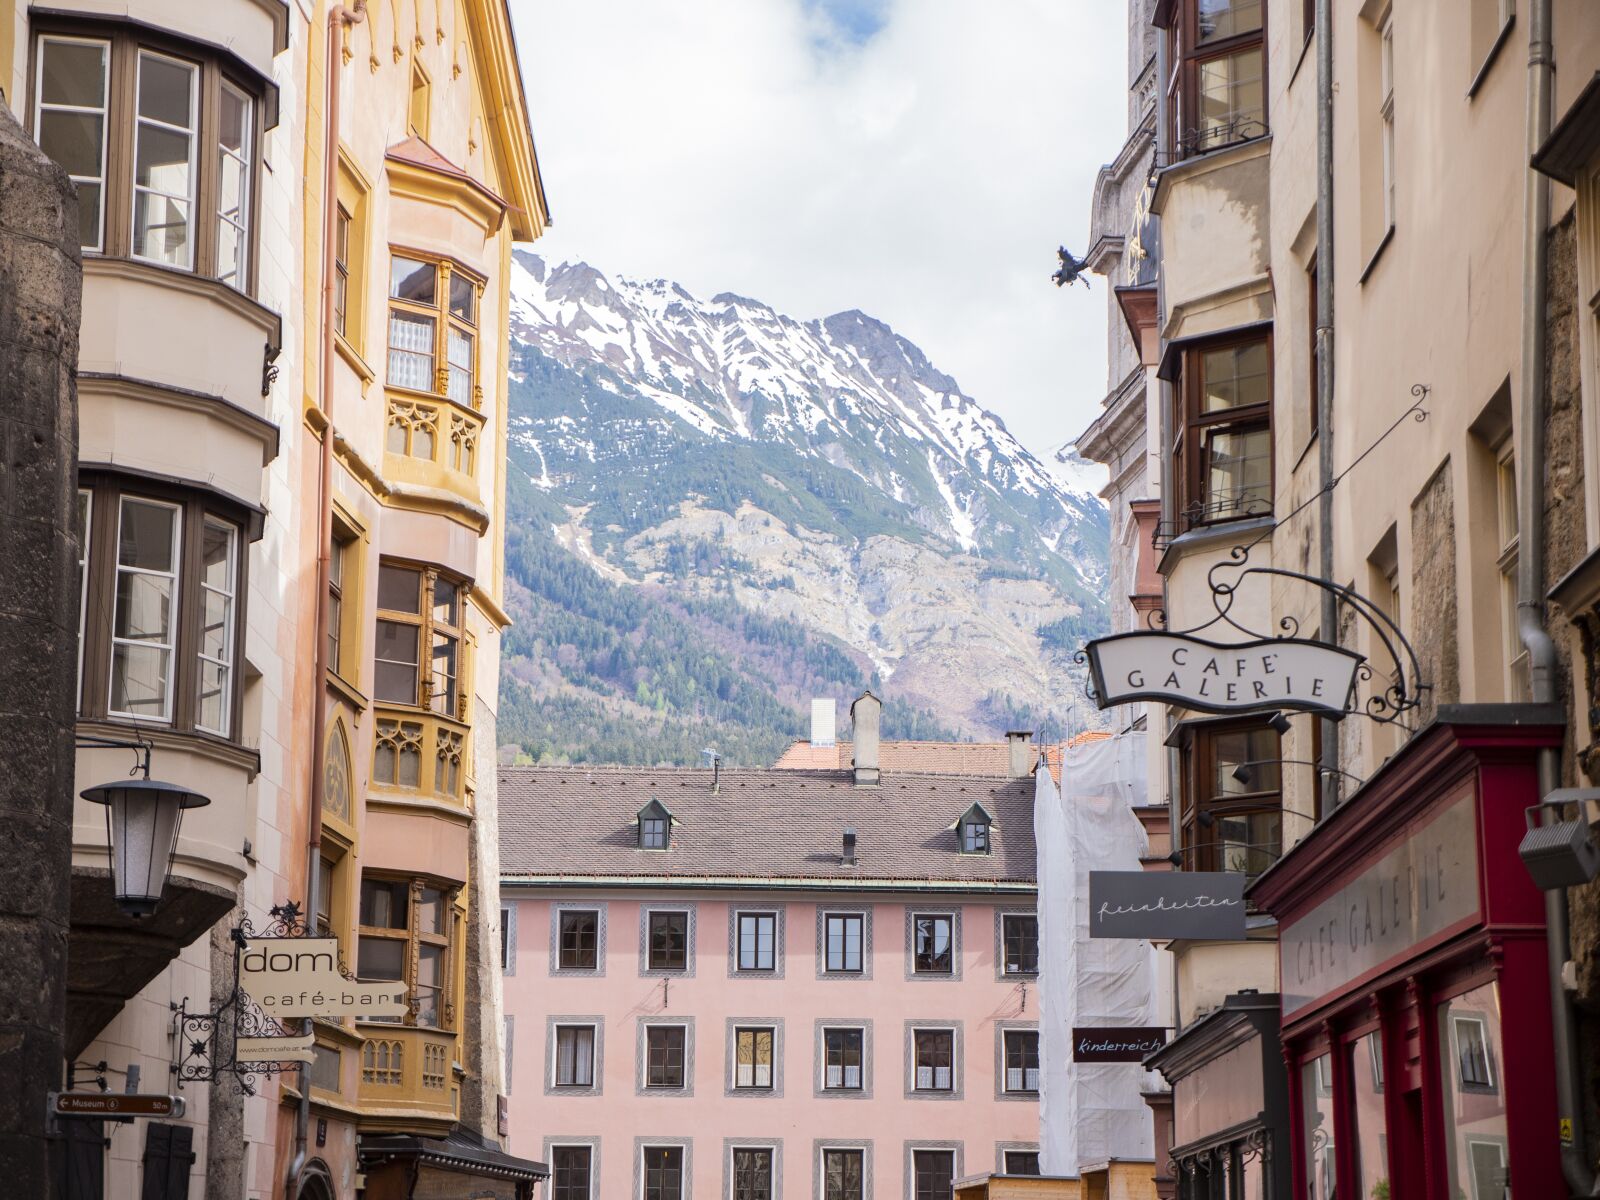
x=837 y=478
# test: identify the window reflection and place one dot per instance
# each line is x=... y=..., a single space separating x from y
x=1316 y=1106
x=1372 y=1141
x=1474 y=1106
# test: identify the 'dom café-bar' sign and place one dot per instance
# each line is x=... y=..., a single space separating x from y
x=300 y=977
x=1273 y=673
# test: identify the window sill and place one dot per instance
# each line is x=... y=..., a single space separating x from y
x=435 y=398
x=353 y=356
x=1207 y=536
x=206 y=745
x=1025 y=976
x=353 y=695
x=1377 y=253
x=1500 y=40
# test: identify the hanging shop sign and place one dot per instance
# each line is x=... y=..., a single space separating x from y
x=114 y=1104
x=275 y=1049
x=1116 y=1043
x=1165 y=905
x=1267 y=674
x=300 y=977
x=1424 y=888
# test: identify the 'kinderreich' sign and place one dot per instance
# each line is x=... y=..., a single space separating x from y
x=1116 y=1044
x=1242 y=677
x=300 y=977
x=1163 y=905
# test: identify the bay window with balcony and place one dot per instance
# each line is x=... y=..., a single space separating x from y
x=433 y=356
x=406 y=933
x=162 y=139
x=1222 y=444
x=161 y=606
x=1232 y=798
x=1216 y=89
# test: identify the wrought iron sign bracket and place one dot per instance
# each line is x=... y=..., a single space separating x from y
x=208 y=1041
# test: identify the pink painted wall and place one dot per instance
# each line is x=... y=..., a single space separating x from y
x=711 y=993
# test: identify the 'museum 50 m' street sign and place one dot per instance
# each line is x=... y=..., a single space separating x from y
x=1242 y=677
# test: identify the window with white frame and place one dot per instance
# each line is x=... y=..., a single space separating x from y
x=843 y=1051
x=571 y=1168
x=934 y=1060
x=1022 y=1060
x=753 y=1058
x=663 y=1172
x=757 y=941
x=843 y=940
x=752 y=1173
x=843 y=1174
x=574 y=1063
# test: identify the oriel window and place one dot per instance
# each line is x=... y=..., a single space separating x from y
x=405 y=935
x=1223 y=447
x=418 y=608
x=433 y=322
x=1216 y=91
x=1232 y=810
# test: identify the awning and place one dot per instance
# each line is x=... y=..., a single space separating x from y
x=425 y=1165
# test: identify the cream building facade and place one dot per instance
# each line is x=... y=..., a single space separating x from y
x=1446 y=290
x=347 y=697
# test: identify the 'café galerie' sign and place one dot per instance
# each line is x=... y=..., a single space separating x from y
x=299 y=977
x=1244 y=676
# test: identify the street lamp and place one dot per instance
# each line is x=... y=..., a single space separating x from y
x=142 y=819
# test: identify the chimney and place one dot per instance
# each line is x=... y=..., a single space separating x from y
x=824 y=722
x=864 y=717
x=1019 y=742
x=848 y=858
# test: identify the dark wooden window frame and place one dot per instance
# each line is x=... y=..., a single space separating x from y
x=927 y=964
x=1181 y=21
x=666 y=1056
x=106 y=491
x=1192 y=425
x=126 y=40
x=571 y=1172
x=1199 y=765
x=934 y=1048
x=571 y=940
x=663 y=928
x=753 y=1035
x=1019 y=941
x=1021 y=1050
x=844 y=1046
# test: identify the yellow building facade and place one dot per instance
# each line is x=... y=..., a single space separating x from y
x=310 y=640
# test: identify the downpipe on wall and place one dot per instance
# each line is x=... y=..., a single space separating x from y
x=1329 y=613
x=339 y=18
x=1530 y=432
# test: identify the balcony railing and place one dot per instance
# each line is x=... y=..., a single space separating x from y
x=434 y=430
x=408 y=1069
x=420 y=752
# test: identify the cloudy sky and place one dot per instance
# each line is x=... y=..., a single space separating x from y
x=916 y=159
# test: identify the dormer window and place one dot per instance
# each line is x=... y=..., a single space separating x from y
x=974 y=828
x=655 y=826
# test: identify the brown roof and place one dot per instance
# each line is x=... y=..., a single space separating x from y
x=992 y=759
x=577 y=823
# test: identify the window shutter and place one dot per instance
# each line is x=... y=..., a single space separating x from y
x=168 y=1155
x=83 y=1161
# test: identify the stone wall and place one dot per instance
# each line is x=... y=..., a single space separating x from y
x=1433 y=611
x=40 y=280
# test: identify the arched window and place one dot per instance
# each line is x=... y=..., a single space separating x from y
x=336 y=774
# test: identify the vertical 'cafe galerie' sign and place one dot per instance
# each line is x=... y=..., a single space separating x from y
x=1274 y=673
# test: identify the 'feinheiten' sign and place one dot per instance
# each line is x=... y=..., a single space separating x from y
x=1164 y=905
x=1241 y=677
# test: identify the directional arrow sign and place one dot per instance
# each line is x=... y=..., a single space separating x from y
x=275 y=1049
x=114 y=1104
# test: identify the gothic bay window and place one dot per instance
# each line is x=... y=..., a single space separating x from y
x=1223 y=448
x=405 y=936
x=160 y=607
x=1232 y=803
x=419 y=608
x=161 y=138
x=1217 y=90
x=433 y=328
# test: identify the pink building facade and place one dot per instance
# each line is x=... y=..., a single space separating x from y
x=745 y=1013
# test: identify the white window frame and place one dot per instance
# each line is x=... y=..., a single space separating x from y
x=861 y=1083
x=231 y=601
x=103 y=112
x=192 y=132
x=950 y=1087
x=738 y=942
x=822 y=1169
x=772 y=1167
x=1005 y=1062
x=588 y=1148
x=240 y=279
x=555 y=1058
x=772 y=1066
x=1386 y=112
x=175 y=605
x=644 y=1169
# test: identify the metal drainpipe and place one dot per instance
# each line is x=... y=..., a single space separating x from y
x=1530 y=434
x=1325 y=263
x=338 y=18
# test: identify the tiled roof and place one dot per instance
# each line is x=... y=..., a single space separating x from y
x=577 y=823
x=917 y=758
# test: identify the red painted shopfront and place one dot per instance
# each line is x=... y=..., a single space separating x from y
x=1415 y=1000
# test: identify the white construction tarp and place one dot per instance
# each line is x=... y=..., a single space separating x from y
x=1091 y=1112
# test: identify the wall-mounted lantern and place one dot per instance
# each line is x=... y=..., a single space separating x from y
x=142 y=820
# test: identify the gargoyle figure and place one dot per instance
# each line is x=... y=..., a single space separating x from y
x=1070 y=270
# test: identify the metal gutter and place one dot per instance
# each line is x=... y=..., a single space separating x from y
x=749 y=883
x=1329 y=613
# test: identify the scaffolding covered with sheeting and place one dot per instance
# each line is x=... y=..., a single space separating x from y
x=1091 y=1112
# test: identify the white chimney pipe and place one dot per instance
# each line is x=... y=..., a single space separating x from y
x=824 y=722
x=1021 y=760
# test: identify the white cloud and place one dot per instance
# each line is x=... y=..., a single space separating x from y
x=924 y=176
